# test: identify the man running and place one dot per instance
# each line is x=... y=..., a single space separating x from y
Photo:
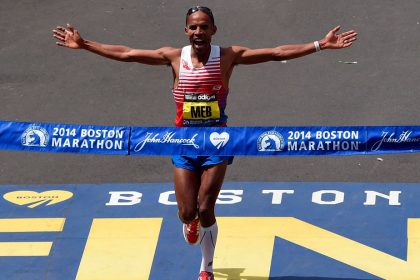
x=201 y=73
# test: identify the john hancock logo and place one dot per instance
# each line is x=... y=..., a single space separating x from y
x=404 y=137
x=167 y=138
x=33 y=199
x=35 y=136
x=270 y=141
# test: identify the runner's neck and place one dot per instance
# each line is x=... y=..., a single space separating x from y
x=199 y=58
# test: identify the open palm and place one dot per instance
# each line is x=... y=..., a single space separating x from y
x=338 y=41
x=68 y=37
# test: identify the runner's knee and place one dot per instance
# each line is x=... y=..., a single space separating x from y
x=206 y=210
x=187 y=214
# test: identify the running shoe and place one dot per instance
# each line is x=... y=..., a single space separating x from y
x=191 y=232
x=204 y=275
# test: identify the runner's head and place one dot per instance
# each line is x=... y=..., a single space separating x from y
x=200 y=27
x=205 y=10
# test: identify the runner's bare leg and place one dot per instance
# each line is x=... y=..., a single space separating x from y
x=187 y=185
x=211 y=182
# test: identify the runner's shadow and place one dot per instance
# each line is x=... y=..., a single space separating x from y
x=235 y=274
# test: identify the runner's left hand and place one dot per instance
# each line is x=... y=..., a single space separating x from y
x=337 y=41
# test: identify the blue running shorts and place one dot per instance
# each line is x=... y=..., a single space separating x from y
x=195 y=163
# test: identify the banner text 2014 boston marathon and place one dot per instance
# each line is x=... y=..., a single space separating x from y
x=238 y=141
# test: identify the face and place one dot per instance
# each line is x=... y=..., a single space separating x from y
x=199 y=30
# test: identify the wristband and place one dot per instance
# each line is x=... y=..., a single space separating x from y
x=317 y=46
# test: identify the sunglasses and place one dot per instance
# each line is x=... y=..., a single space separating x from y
x=205 y=10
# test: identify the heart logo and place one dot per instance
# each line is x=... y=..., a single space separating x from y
x=34 y=199
x=219 y=140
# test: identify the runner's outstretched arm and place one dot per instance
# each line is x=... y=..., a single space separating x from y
x=331 y=41
x=70 y=38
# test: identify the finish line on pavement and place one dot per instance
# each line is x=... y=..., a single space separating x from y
x=267 y=230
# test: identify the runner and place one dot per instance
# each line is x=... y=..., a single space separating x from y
x=201 y=73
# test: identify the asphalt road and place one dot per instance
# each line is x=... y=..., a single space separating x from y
x=41 y=82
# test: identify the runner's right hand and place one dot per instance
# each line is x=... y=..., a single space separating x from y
x=68 y=37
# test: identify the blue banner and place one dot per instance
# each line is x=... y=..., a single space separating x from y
x=44 y=137
x=248 y=141
x=193 y=141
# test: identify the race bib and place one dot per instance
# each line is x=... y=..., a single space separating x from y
x=200 y=107
x=201 y=110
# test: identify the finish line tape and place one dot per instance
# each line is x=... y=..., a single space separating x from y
x=194 y=141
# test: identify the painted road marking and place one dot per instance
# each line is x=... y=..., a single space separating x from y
x=266 y=230
x=32 y=225
x=118 y=247
x=20 y=249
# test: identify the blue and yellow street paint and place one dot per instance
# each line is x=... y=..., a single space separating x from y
x=266 y=231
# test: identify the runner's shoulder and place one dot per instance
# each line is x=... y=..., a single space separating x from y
x=232 y=52
x=170 y=52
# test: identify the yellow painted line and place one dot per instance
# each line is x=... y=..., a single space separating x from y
x=120 y=249
x=244 y=248
x=354 y=253
x=245 y=245
x=25 y=249
x=32 y=225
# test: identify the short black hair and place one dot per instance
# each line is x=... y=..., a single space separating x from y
x=203 y=9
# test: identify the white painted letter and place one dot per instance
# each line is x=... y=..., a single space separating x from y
x=393 y=197
x=124 y=198
x=317 y=197
x=229 y=196
x=277 y=195
x=164 y=198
